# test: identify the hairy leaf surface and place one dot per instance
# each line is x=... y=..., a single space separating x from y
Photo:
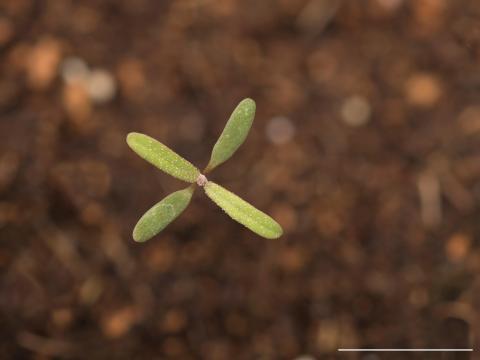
x=234 y=133
x=243 y=212
x=162 y=157
x=162 y=214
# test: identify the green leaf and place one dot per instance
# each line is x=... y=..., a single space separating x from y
x=162 y=157
x=243 y=212
x=234 y=134
x=162 y=214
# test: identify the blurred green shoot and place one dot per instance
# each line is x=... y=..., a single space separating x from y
x=168 y=209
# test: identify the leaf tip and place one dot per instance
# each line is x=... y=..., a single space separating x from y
x=249 y=105
x=137 y=236
x=249 y=102
x=277 y=233
x=131 y=138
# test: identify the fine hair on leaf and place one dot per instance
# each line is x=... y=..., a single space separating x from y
x=162 y=157
x=234 y=133
x=162 y=214
x=167 y=160
x=243 y=212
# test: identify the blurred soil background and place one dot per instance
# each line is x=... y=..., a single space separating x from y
x=365 y=147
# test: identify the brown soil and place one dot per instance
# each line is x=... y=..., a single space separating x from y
x=365 y=147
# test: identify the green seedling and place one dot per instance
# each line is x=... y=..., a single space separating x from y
x=168 y=209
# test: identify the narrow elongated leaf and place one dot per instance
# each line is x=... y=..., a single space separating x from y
x=162 y=214
x=162 y=157
x=234 y=134
x=243 y=212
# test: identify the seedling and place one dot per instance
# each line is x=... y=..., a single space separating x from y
x=167 y=210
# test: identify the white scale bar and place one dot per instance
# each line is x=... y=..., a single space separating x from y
x=411 y=350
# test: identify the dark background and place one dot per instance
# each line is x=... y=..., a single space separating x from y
x=365 y=147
